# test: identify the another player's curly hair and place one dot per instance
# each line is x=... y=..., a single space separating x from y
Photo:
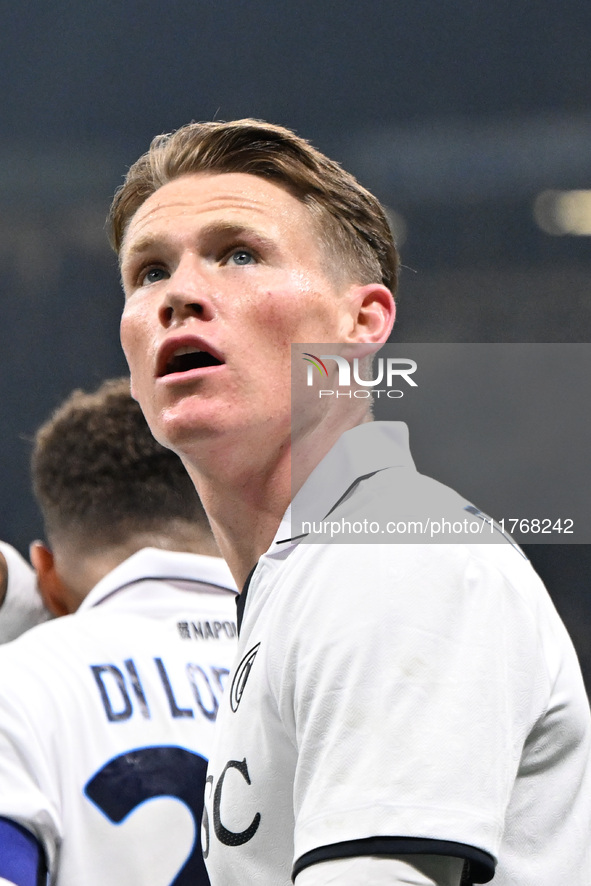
x=99 y=473
x=350 y=221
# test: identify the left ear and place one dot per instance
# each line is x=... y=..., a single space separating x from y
x=53 y=589
x=373 y=311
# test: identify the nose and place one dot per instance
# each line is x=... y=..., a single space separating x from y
x=186 y=294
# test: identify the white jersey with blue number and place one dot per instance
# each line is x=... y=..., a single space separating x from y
x=106 y=718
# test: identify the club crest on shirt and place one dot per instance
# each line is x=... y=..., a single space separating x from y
x=241 y=676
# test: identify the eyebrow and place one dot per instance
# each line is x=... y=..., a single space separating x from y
x=141 y=245
x=235 y=230
x=208 y=232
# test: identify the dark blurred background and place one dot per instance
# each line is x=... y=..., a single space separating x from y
x=471 y=121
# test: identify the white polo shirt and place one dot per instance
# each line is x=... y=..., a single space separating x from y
x=106 y=719
x=394 y=699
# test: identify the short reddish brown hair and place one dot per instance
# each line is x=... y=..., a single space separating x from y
x=351 y=222
x=99 y=474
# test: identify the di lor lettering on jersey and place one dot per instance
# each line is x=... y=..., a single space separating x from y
x=386 y=371
x=194 y=692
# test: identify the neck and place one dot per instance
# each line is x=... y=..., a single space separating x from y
x=245 y=497
x=244 y=507
x=81 y=574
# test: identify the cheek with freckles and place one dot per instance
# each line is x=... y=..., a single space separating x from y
x=138 y=341
x=301 y=312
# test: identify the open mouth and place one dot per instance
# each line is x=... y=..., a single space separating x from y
x=188 y=358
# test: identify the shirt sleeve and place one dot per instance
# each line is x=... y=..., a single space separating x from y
x=411 y=871
x=413 y=698
x=29 y=792
x=23 y=607
x=22 y=861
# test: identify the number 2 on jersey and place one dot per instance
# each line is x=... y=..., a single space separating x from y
x=131 y=779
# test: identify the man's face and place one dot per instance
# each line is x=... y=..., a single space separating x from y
x=221 y=273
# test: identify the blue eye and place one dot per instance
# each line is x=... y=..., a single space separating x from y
x=242 y=257
x=154 y=275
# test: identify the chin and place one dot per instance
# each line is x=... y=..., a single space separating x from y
x=186 y=423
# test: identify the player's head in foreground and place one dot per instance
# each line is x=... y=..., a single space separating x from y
x=106 y=489
x=235 y=240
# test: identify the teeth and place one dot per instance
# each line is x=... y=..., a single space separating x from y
x=186 y=350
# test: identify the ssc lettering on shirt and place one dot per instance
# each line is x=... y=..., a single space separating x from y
x=207 y=630
x=123 y=692
x=239 y=769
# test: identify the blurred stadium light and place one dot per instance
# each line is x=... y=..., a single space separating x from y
x=564 y=212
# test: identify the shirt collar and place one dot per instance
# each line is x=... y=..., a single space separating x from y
x=156 y=563
x=359 y=452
